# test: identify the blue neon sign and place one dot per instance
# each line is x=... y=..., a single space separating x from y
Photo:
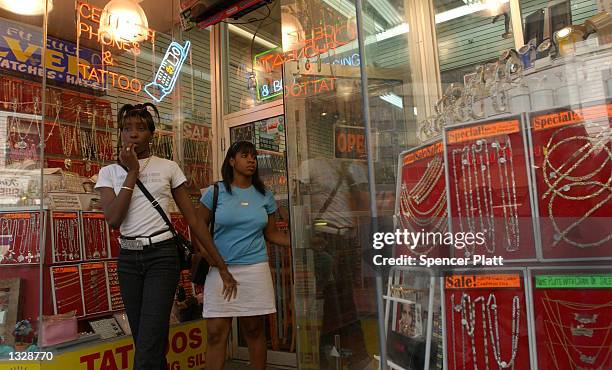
x=168 y=71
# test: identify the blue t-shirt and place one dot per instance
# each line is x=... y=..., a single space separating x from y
x=239 y=223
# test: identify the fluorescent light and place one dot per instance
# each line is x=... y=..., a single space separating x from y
x=392 y=32
x=393 y=99
x=383 y=8
x=244 y=33
x=464 y=10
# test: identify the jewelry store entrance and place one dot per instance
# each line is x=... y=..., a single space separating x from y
x=265 y=127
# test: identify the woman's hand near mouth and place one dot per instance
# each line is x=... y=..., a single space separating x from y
x=128 y=157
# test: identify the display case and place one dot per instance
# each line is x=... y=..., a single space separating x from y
x=58 y=105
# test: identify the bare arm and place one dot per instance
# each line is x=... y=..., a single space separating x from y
x=116 y=206
x=273 y=234
x=199 y=228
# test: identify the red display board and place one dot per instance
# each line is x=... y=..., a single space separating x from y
x=114 y=242
x=95 y=235
x=66 y=236
x=422 y=202
x=95 y=289
x=572 y=159
x=67 y=289
x=113 y=286
x=573 y=320
x=486 y=321
x=19 y=238
x=489 y=187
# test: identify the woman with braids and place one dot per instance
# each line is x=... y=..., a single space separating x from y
x=244 y=219
x=148 y=264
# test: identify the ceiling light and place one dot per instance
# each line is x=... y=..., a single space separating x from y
x=393 y=99
x=26 y=7
x=244 y=33
x=392 y=32
x=468 y=9
x=124 y=20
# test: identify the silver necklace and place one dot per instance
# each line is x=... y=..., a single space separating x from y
x=468 y=320
x=506 y=178
x=494 y=330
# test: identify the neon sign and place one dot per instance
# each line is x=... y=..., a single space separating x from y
x=168 y=71
x=90 y=27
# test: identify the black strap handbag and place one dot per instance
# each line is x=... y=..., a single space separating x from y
x=200 y=266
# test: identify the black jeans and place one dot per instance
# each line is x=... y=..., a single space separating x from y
x=148 y=281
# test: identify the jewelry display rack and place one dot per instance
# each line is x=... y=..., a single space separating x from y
x=574 y=308
x=19 y=234
x=485 y=319
x=489 y=189
x=572 y=171
x=421 y=204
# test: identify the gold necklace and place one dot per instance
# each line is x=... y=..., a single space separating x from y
x=145 y=165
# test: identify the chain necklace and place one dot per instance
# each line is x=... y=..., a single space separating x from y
x=21 y=144
x=431 y=176
x=494 y=330
x=484 y=194
x=484 y=331
x=57 y=109
x=141 y=170
x=103 y=145
x=508 y=188
x=68 y=136
x=562 y=234
x=456 y=183
x=562 y=337
x=468 y=320
x=409 y=209
x=454 y=344
x=566 y=175
x=468 y=197
x=484 y=167
x=557 y=172
x=560 y=174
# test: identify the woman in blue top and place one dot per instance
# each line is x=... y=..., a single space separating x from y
x=244 y=220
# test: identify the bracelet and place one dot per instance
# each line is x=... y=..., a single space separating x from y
x=126 y=188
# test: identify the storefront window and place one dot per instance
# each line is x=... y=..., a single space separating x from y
x=470 y=34
x=22 y=113
x=254 y=78
x=53 y=230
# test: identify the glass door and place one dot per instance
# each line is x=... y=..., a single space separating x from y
x=265 y=127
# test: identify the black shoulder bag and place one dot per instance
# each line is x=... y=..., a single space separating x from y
x=200 y=266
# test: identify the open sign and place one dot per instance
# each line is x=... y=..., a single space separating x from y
x=349 y=142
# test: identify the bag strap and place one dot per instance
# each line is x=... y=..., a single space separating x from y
x=341 y=178
x=214 y=210
x=154 y=202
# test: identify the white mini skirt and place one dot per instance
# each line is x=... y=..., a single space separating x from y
x=255 y=292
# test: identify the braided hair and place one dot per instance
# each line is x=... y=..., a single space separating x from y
x=138 y=112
